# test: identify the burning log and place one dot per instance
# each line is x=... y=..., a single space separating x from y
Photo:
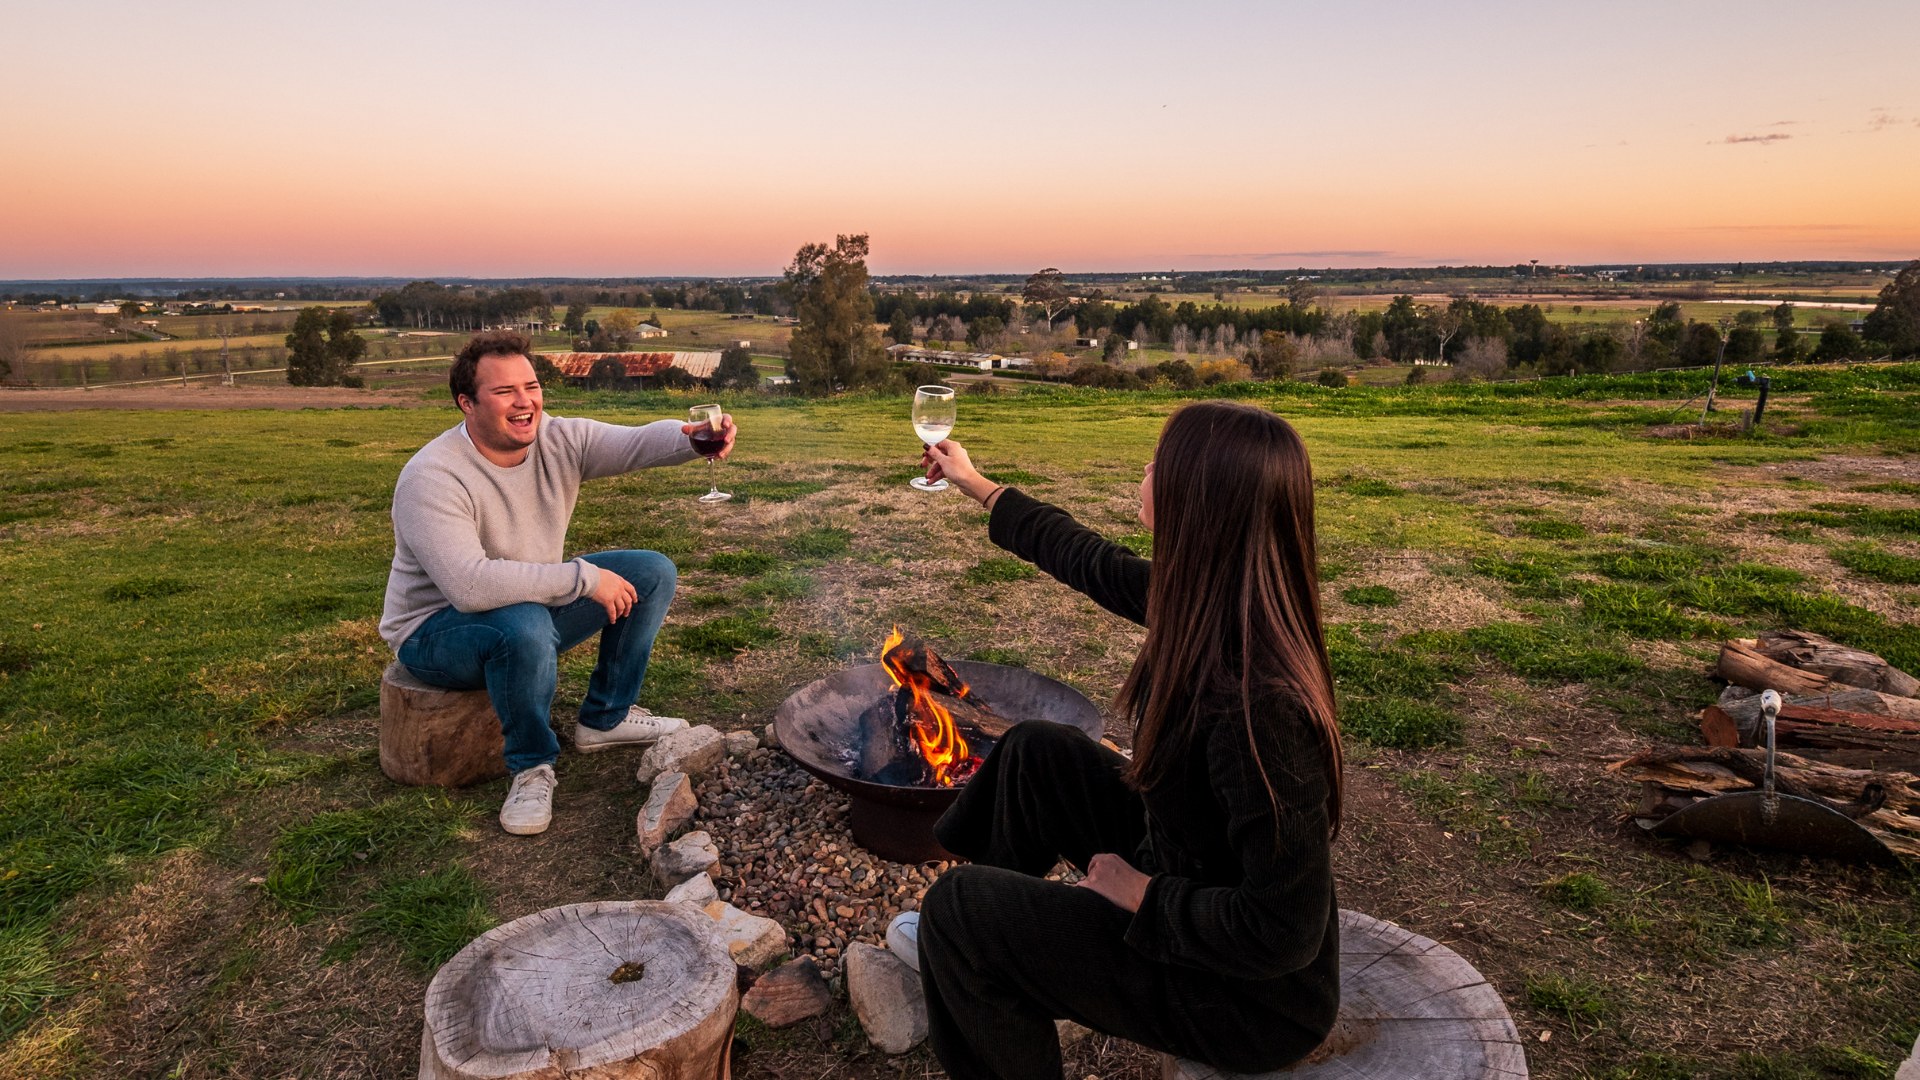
x=1820 y=656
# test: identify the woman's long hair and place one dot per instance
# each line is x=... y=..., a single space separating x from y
x=1234 y=603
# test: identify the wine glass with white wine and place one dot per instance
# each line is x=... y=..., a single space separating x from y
x=934 y=411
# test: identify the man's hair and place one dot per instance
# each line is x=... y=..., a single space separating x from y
x=460 y=378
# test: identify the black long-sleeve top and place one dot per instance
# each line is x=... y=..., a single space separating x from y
x=1242 y=882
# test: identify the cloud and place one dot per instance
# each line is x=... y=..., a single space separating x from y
x=1777 y=136
x=1291 y=255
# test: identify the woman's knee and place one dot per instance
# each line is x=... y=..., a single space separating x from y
x=1044 y=740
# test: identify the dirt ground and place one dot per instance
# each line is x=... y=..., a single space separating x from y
x=170 y=397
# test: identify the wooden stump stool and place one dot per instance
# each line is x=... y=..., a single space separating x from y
x=607 y=990
x=429 y=735
x=1410 y=1009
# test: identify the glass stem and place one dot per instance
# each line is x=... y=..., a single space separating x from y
x=713 y=477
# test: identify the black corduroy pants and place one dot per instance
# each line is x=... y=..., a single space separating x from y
x=1004 y=952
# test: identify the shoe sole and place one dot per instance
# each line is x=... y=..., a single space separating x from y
x=527 y=830
x=594 y=748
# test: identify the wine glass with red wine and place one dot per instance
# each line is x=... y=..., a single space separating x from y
x=708 y=440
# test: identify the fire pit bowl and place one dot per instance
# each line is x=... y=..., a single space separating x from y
x=819 y=726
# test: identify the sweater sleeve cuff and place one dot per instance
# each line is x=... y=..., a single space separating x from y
x=589 y=578
x=1145 y=933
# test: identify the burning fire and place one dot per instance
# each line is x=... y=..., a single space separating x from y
x=934 y=732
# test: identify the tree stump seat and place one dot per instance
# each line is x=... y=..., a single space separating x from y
x=608 y=990
x=433 y=736
x=1410 y=1009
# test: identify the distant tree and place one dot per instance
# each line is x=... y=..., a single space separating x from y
x=546 y=370
x=674 y=378
x=13 y=347
x=1047 y=289
x=345 y=348
x=130 y=308
x=1215 y=372
x=985 y=331
x=901 y=328
x=1786 y=345
x=307 y=348
x=1667 y=324
x=1782 y=315
x=941 y=333
x=736 y=370
x=1401 y=323
x=1114 y=348
x=606 y=373
x=1745 y=345
x=576 y=320
x=834 y=346
x=1367 y=331
x=1276 y=356
x=1838 y=342
x=1443 y=323
x=1699 y=346
x=1483 y=358
x=1597 y=353
x=1176 y=373
x=620 y=325
x=1300 y=294
x=1331 y=377
x=1106 y=376
x=1894 y=322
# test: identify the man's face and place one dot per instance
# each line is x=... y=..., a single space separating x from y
x=504 y=416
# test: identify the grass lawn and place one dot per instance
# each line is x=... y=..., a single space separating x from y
x=204 y=873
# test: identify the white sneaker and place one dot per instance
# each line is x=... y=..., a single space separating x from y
x=903 y=937
x=529 y=806
x=638 y=729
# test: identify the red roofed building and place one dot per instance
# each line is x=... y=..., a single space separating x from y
x=578 y=366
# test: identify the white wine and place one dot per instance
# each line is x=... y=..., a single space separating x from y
x=932 y=433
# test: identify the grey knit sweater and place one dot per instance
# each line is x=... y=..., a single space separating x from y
x=474 y=535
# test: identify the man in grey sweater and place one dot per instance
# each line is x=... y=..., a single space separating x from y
x=479 y=596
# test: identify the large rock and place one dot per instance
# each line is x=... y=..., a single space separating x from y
x=685 y=857
x=887 y=998
x=670 y=807
x=788 y=994
x=694 y=751
x=741 y=743
x=697 y=890
x=752 y=941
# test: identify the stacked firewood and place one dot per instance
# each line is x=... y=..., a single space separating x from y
x=1848 y=734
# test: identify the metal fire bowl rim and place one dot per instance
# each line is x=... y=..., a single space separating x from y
x=1089 y=723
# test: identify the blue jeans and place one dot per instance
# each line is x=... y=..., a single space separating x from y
x=514 y=653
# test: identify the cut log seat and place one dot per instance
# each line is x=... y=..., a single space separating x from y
x=1410 y=1009
x=438 y=737
x=610 y=990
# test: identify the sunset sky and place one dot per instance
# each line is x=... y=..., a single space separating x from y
x=582 y=139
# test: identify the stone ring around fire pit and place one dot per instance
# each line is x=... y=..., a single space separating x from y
x=821 y=727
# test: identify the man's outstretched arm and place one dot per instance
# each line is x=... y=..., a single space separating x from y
x=612 y=449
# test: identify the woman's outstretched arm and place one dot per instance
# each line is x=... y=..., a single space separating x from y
x=1049 y=538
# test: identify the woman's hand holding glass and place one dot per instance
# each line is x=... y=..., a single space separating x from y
x=948 y=460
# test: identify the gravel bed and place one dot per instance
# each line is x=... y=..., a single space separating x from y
x=786 y=852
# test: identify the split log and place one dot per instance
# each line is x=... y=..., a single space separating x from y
x=1870 y=707
x=434 y=736
x=608 y=990
x=1822 y=656
x=1409 y=1008
x=1742 y=665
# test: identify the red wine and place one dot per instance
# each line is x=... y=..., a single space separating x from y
x=707 y=442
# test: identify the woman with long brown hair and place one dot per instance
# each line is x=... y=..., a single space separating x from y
x=1205 y=923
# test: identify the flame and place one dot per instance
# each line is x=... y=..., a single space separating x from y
x=939 y=741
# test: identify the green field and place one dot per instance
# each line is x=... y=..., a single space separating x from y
x=203 y=872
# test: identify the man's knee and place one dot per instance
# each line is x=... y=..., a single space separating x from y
x=646 y=571
x=526 y=631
